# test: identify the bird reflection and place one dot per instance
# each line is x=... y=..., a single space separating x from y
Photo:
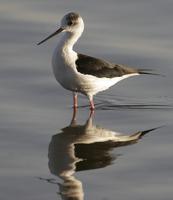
x=83 y=147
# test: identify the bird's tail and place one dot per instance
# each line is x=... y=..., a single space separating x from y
x=148 y=72
x=140 y=134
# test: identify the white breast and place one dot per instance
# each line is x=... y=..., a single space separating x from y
x=63 y=64
x=64 y=68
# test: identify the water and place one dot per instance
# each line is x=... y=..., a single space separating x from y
x=42 y=155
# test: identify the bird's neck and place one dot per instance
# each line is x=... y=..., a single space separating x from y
x=68 y=40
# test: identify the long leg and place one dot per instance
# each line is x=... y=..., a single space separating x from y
x=92 y=107
x=75 y=104
x=73 y=120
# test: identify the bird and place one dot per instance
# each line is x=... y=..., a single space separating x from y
x=81 y=73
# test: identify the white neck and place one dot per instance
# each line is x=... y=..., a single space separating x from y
x=68 y=40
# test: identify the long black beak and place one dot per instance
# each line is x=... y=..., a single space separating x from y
x=50 y=36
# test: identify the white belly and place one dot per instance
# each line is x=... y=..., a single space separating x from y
x=65 y=72
x=91 y=85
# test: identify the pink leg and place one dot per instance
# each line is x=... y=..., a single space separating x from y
x=91 y=114
x=73 y=121
x=92 y=107
x=75 y=100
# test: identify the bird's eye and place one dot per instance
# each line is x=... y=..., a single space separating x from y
x=69 y=23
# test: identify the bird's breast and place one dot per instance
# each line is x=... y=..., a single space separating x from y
x=64 y=69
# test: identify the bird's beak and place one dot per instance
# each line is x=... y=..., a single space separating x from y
x=50 y=36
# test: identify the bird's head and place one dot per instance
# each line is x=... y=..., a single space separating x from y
x=71 y=22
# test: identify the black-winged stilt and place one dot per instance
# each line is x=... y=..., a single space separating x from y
x=81 y=73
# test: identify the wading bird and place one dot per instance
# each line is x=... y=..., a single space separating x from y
x=82 y=73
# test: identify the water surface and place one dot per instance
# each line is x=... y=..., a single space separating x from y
x=36 y=135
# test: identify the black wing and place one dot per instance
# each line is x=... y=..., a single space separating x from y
x=100 y=68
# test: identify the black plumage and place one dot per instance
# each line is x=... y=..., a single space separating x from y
x=100 y=68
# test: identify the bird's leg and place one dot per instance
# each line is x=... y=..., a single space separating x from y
x=92 y=107
x=91 y=115
x=90 y=119
x=75 y=100
x=73 y=121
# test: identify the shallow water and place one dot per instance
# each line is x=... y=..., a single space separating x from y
x=42 y=155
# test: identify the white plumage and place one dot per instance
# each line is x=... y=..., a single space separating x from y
x=82 y=73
